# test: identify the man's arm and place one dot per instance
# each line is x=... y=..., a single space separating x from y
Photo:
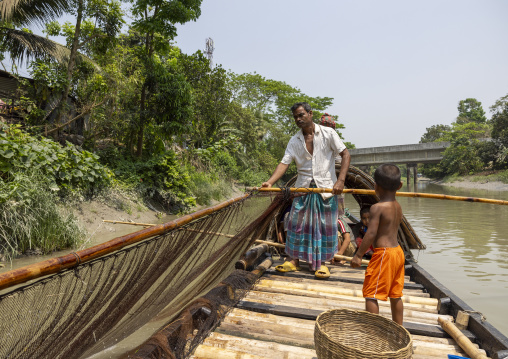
x=346 y=160
x=277 y=174
x=369 y=237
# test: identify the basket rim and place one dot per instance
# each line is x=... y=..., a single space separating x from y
x=409 y=344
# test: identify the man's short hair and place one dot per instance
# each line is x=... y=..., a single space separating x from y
x=305 y=106
x=388 y=177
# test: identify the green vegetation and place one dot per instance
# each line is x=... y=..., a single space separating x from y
x=477 y=145
x=143 y=117
x=31 y=219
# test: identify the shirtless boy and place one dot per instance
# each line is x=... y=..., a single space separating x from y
x=384 y=276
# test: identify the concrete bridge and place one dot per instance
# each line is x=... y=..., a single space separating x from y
x=410 y=155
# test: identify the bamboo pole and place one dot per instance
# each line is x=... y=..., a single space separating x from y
x=339 y=297
x=338 y=291
x=372 y=192
x=55 y=265
x=131 y=223
x=211 y=352
x=461 y=339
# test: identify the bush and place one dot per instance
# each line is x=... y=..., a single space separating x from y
x=162 y=178
x=206 y=186
x=64 y=167
x=30 y=219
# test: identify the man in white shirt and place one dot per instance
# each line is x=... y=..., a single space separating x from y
x=312 y=230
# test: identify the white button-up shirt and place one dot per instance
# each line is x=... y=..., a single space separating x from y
x=319 y=166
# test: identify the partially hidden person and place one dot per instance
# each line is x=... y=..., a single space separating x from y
x=312 y=227
x=384 y=276
x=364 y=225
x=346 y=241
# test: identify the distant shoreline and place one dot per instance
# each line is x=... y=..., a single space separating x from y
x=465 y=183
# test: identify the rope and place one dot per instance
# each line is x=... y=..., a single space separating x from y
x=482 y=317
x=78 y=258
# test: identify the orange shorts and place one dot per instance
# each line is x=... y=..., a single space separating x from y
x=384 y=276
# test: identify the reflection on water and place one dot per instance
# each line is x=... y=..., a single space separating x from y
x=467 y=246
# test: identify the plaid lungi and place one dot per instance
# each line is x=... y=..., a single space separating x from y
x=312 y=229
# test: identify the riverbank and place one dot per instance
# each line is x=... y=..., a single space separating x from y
x=470 y=184
x=92 y=214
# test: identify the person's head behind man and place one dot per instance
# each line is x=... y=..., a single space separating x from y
x=327 y=120
x=387 y=177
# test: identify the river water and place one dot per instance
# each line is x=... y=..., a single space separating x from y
x=467 y=246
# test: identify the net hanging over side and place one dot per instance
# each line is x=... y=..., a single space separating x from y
x=83 y=310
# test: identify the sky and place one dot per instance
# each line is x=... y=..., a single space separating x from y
x=394 y=68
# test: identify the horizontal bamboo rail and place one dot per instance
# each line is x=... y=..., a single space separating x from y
x=372 y=192
x=55 y=265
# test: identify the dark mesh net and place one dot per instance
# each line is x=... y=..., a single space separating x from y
x=81 y=311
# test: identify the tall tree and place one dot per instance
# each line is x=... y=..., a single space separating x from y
x=500 y=120
x=435 y=133
x=156 y=19
x=97 y=24
x=470 y=110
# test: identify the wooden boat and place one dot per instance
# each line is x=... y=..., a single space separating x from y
x=275 y=317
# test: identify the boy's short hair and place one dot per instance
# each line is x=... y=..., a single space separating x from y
x=364 y=209
x=387 y=176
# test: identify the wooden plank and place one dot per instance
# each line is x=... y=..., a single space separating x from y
x=340 y=277
x=311 y=314
x=327 y=304
x=341 y=291
x=258 y=347
x=251 y=327
x=306 y=339
x=237 y=315
x=211 y=352
x=357 y=284
x=322 y=295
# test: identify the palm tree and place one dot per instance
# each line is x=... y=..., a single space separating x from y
x=23 y=45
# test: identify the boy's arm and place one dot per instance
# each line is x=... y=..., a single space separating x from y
x=369 y=237
x=345 y=243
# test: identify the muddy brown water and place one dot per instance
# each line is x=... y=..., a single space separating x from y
x=467 y=246
x=467 y=249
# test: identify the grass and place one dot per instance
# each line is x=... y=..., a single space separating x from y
x=206 y=188
x=32 y=220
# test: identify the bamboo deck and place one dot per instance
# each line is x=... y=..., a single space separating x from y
x=276 y=318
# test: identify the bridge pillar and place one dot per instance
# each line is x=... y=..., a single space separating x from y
x=415 y=175
x=408 y=173
x=409 y=167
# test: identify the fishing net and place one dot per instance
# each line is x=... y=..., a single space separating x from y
x=81 y=311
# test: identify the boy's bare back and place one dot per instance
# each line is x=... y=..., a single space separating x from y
x=385 y=218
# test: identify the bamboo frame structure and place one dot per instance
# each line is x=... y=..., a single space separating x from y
x=55 y=265
x=373 y=193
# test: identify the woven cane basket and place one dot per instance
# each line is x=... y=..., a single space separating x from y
x=348 y=334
